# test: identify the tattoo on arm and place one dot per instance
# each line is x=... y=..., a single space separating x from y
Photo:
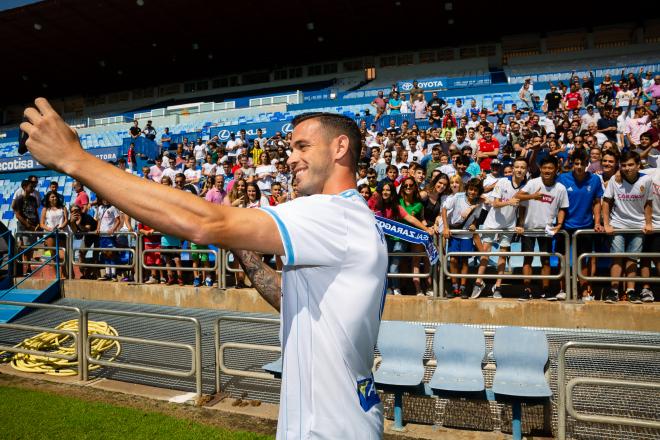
x=264 y=278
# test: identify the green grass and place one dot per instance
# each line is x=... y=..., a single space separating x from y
x=26 y=414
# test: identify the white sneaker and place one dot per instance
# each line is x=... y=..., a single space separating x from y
x=151 y=280
x=476 y=290
x=588 y=298
x=561 y=296
x=647 y=295
x=429 y=292
x=396 y=291
x=420 y=294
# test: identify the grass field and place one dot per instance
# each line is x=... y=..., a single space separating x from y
x=27 y=414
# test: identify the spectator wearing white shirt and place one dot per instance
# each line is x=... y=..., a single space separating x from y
x=192 y=173
x=545 y=200
x=200 y=152
x=628 y=205
x=265 y=176
x=420 y=107
x=589 y=117
x=461 y=212
x=502 y=215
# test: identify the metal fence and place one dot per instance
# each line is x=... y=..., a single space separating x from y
x=195 y=350
x=570 y=263
x=566 y=388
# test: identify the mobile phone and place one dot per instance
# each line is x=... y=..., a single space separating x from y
x=22 y=139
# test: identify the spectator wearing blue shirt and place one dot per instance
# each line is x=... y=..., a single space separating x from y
x=394 y=104
x=165 y=139
x=585 y=191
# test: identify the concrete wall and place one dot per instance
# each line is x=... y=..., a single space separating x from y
x=596 y=315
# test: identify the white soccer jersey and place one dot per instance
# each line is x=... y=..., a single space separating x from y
x=333 y=285
x=543 y=212
x=457 y=206
x=629 y=200
x=504 y=217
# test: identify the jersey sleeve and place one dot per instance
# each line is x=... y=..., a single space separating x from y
x=609 y=190
x=313 y=229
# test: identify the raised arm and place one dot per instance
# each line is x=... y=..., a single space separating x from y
x=55 y=145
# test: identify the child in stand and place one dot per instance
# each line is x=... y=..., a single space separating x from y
x=461 y=212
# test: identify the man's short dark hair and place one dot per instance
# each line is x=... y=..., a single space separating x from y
x=646 y=134
x=625 y=157
x=336 y=125
x=551 y=160
x=580 y=155
x=463 y=160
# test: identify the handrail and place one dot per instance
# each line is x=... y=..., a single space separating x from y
x=564 y=271
x=79 y=338
x=565 y=389
x=195 y=351
x=219 y=351
x=33 y=245
x=578 y=259
x=177 y=251
x=132 y=251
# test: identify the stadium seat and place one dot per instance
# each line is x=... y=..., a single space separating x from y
x=402 y=346
x=459 y=351
x=521 y=356
x=274 y=368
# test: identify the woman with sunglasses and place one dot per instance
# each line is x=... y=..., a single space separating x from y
x=385 y=203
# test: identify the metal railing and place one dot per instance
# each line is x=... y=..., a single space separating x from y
x=564 y=271
x=44 y=235
x=566 y=388
x=83 y=249
x=578 y=259
x=79 y=354
x=195 y=350
x=220 y=349
x=570 y=269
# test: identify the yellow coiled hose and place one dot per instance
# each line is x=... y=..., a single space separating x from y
x=64 y=345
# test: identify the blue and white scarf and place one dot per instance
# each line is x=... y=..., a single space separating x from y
x=409 y=234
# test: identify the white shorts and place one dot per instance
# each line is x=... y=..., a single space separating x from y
x=503 y=240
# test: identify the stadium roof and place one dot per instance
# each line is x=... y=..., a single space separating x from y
x=73 y=47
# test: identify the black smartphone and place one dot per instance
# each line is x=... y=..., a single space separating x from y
x=22 y=139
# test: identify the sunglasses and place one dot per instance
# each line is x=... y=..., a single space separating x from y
x=409 y=186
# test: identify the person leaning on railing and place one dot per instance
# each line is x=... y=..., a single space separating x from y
x=628 y=205
x=26 y=208
x=80 y=222
x=54 y=217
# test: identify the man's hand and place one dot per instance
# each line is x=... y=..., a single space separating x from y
x=598 y=228
x=51 y=141
x=609 y=229
x=513 y=202
x=648 y=228
x=520 y=230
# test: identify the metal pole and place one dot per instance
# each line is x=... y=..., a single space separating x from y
x=57 y=255
x=82 y=352
x=398 y=411
x=70 y=254
x=574 y=281
x=223 y=270
x=516 y=420
x=216 y=350
x=139 y=260
x=198 y=361
x=571 y=294
x=440 y=293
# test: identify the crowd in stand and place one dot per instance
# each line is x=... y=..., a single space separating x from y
x=584 y=156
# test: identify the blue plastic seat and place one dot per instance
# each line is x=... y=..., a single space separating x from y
x=402 y=347
x=459 y=351
x=274 y=368
x=521 y=355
